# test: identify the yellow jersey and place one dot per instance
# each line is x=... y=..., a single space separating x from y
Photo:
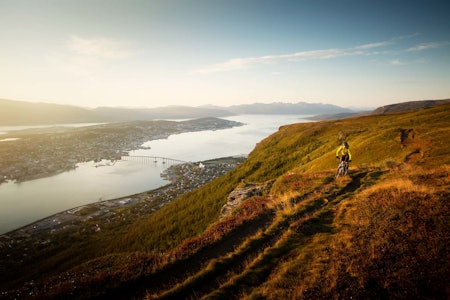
x=342 y=151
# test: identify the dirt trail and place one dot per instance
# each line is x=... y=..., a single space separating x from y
x=230 y=265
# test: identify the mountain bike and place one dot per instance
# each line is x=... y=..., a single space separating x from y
x=342 y=169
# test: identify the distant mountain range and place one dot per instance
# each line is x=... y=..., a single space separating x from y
x=279 y=108
x=14 y=113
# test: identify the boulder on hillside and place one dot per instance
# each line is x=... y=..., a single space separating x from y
x=240 y=194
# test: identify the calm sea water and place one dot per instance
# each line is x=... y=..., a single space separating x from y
x=26 y=202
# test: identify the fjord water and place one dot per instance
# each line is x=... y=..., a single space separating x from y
x=26 y=202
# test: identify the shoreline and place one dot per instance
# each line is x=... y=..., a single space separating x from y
x=152 y=200
x=60 y=151
x=78 y=208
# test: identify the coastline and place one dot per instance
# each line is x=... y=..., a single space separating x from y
x=91 y=218
x=41 y=153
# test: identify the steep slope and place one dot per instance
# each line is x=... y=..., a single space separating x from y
x=381 y=232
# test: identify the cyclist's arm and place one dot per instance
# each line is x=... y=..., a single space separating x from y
x=338 y=150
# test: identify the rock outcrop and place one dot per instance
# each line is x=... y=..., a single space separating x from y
x=240 y=194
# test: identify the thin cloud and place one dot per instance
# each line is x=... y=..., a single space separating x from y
x=243 y=63
x=373 y=45
x=396 y=62
x=100 y=47
x=369 y=49
x=427 y=46
x=89 y=58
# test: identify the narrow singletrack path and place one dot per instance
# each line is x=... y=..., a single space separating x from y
x=240 y=267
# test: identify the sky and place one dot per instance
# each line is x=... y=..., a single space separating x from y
x=152 y=53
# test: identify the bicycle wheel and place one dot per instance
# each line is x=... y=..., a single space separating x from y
x=340 y=170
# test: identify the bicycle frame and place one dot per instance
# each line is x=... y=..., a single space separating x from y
x=342 y=169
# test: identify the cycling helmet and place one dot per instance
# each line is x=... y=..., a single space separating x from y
x=345 y=144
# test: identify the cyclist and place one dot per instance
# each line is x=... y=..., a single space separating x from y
x=343 y=153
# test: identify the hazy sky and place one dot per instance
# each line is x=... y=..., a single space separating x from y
x=183 y=52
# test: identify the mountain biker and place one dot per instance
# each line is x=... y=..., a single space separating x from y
x=343 y=153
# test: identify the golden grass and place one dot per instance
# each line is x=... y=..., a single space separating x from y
x=388 y=239
x=391 y=240
x=283 y=204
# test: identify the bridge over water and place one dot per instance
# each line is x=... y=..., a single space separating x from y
x=154 y=160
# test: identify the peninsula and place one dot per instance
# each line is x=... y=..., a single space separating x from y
x=36 y=153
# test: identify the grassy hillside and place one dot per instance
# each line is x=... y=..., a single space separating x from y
x=380 y=232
